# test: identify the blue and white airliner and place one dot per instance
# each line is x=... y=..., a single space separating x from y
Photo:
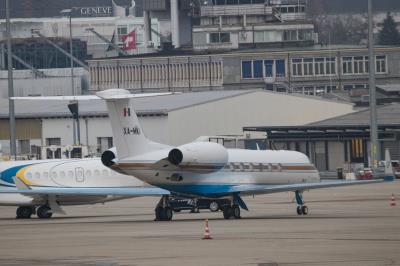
x=68 y=177
x=202 y=169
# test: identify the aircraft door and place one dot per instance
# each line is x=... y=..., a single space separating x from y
x=79 y=174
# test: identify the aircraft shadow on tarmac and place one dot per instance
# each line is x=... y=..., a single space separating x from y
x=78 y=219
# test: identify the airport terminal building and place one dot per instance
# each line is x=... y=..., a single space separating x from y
x=313 y=70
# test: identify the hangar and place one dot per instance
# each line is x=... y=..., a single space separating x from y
x=339 y=142
x=173 y=119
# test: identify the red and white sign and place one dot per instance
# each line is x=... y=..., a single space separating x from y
x=127 y=112
x=129 y=41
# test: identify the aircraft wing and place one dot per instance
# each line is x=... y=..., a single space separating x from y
x=268 y=189
x=124 y=192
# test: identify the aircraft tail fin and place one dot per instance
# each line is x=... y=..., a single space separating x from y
x=129 y=138
x=128 y=134
x=389 y=173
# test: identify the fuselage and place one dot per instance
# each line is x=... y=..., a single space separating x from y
x=244 y=167
x=72 y=173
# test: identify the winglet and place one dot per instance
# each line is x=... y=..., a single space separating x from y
x=20 y=184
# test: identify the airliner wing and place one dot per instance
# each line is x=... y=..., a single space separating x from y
x=268 y=189
x=124 y=192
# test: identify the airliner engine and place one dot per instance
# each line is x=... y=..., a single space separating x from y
x=109 y=157
x=199 y=153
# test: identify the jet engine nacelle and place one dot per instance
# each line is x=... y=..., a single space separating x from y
x=109 y=157
x=201 y=153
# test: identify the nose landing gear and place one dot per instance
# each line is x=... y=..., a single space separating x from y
x=301 y=208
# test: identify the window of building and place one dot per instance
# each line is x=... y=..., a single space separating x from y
x=305 y=35
x=331 y=88
x=247 y=72
x=319 y=66
x=366 y=61
x=257 y=69
x=269 y=68
x=347 y=65
x=267 y=36
x=220 y=37
x=280 y=68
x=297 y=65
x=104 y=143
x=330 y=64
x=122 y=30
x=290 y=35
x=308 y=66
x=53 y=141
x=24 y=146
x=348 y=87
x=359 y=65
x=309 y=90
x=320 y=90
x=381 y=64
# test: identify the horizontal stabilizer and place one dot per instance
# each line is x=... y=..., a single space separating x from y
x=107 y=95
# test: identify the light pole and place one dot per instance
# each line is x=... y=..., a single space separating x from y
x=75 y=125
x=375 y=151
x=11 y=108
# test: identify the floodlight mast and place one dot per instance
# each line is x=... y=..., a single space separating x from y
x=11 y=107
x=374 y=148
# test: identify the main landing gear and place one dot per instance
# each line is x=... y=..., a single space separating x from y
x=26 y=212
x=231 y=211
x=163 y=211
x=44 y=212
x=301 y=208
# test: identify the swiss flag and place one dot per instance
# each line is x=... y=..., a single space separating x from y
x=129 y=41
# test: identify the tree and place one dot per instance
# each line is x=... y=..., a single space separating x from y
x=389 y=35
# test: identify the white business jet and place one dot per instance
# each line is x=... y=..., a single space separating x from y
x=62 y=174
x=201 y=169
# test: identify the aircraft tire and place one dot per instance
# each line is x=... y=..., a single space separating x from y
x=304 y=210
x=44 y=212
x=164 y=214
x=158 y=212
x=168 y=213
x=214 y=206
x=235 y=210
x=299 y=210
x=227 y=211
x=24 y=212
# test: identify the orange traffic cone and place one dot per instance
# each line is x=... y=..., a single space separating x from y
x=207 y=231
x=392 y=201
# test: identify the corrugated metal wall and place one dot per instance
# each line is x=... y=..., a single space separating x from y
x=26 y=129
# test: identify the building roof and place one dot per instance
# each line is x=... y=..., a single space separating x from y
x=354 y=125
x=189 y=52
x=389 y=87
x=387 y=115
x=160 y=105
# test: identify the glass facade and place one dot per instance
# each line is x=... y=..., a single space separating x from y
x=263 y=68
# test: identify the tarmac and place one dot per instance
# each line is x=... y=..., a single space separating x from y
x=346 y=226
